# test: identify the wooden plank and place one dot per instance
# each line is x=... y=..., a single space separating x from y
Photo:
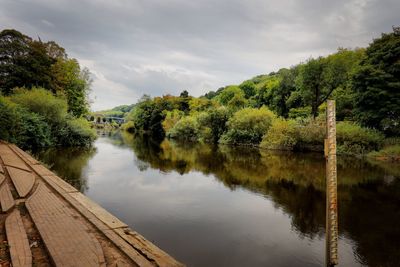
x=106 y=217
x=6 y=198
x=41 y=170
x=66 y=237
x=147 y=248
x=2 y=178
x=57 y=181
x=21 y=255
x=11 y=159
x=22 y=180
x=1 y=169
x=24 y=155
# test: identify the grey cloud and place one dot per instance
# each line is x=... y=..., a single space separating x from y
x=165 y=46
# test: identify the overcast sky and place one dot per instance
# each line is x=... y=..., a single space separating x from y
x=156 y=47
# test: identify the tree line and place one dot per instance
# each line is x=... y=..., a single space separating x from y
x=285 y=109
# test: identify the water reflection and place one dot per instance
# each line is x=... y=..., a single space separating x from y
x=204 y=225
x=69 y=163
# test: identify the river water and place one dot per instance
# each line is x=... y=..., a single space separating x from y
x=229 y=206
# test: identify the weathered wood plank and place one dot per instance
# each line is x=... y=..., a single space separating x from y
x=147 y=248
x=6 y=198
x=20 y=252
x=109 y=219
x=22 y=180
x=2 y=178
x=56 y=181
x=10 y=158
x=41 y=170
x=66 y=238
x=24 y=155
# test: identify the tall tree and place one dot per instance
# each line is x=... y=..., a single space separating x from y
x=14 y=49
x=377 y=84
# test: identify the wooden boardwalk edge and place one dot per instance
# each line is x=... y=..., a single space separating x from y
x=132 y=244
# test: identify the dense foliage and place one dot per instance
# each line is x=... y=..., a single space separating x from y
x=285 y=109
x=25 y=62
x=43 y=94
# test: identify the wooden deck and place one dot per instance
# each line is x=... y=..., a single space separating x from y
x=53 y=224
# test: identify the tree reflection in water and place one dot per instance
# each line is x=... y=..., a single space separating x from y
x=368 y=192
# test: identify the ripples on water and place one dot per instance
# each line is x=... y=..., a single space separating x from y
x=226 y=206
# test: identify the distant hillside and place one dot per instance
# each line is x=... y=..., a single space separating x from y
x=119 y=111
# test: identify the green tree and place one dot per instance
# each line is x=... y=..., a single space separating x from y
x=377 y=84
x=14 y=49
x=228 y=93
x=72 y=82
x=249 y=88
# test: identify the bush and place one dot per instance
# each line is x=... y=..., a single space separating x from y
x=128 y=126
x=25 y=129
x=35 y=118
x=75 y=132
x=42 y=102
x=185 y=129
x=354 y=139
x=390 y=153
x=171 y=118
x=311 y=134
x=248 y=126
x=282 y=135
x=213 y=124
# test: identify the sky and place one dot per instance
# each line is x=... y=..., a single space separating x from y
x=158 y=47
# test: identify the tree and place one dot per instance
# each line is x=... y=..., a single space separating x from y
x=248 y=88
x=184 y=94
x=228 y=93
x=377 y=84
x=318 y=78
x=72 y=82
x=14 y=49
x=310 y=83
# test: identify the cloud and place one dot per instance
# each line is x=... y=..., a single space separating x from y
x=158 y=47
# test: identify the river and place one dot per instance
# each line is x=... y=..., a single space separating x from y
x=230 y=206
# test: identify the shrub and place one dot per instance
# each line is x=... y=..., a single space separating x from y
x=36 y=118
x=75 y=132
x=42 y=102
x=247 y=126
x=171 y=118
x=128 y=126
x=311 y=134
x=17 y=125
x=354 y=139
x=185 y=129
x=282 y=135
x=390 y=153
x=213 y=124
x=302 y=112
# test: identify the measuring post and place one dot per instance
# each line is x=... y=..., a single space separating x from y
x=331 y=187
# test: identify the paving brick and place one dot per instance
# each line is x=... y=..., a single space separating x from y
x=20 y=252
